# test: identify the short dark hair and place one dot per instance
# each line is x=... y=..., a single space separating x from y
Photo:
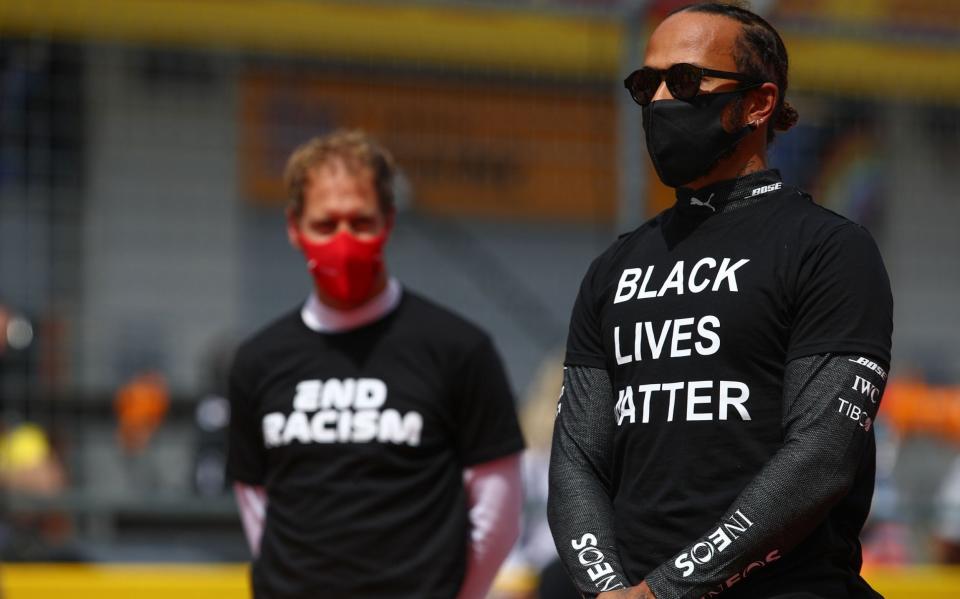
x=759 y=52
x=355 y=149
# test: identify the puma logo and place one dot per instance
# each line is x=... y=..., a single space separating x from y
x=696 y=202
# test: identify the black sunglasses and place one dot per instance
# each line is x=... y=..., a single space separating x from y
x=683 y=81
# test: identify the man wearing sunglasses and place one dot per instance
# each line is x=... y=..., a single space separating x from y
x=726 y=359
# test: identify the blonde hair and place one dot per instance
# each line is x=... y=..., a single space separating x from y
x=355 y=150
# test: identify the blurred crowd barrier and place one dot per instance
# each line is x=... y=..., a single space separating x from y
x=141 y=233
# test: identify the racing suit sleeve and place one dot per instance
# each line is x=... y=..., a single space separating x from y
x=830 y=402
x=579 y=507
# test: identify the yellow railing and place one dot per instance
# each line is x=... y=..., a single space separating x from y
x=121 y=581
x=464 y=37
x=916 y=582
x=230 y=581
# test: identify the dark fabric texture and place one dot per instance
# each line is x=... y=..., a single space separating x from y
x=555 y=584
x=842 y=299
x=694 y=317
x=360 y=439
x=831 y=402
x=579 y=509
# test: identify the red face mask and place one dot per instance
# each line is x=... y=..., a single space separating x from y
x=345 y=268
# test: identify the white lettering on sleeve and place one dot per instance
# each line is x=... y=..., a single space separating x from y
x=594 y=561
x=586 y=540
x=683 y=562
x=720 y=539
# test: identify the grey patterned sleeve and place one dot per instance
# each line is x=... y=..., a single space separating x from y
x=579 y=507
x=830 y=403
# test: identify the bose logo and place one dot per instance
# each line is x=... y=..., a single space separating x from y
x=766 y=189
x=871 y=365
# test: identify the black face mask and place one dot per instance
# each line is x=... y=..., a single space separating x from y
x=686 y=137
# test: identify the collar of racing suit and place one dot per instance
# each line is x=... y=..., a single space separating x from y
x=728 y=194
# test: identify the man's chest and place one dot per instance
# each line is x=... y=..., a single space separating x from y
x=672 y=308
x=696 y=335
x=328 y=401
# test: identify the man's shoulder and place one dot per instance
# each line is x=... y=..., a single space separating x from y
x=648 y=227
x=819 y=224
x=621 y=247
x=280 y=330
x=432 y=319
x=805 y=208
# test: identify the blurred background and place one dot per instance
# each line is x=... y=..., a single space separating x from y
x=141 y=237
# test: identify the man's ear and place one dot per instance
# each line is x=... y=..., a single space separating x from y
x=293 y=228
x=759 y=105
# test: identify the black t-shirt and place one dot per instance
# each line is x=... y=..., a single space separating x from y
x=360 y=439
x=695 y=315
